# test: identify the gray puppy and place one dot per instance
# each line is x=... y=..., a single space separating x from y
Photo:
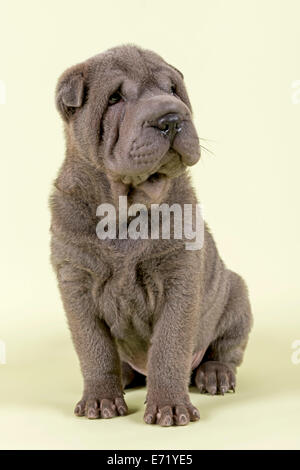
x=139 y=308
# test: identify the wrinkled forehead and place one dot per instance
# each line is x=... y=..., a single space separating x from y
x=133 y=71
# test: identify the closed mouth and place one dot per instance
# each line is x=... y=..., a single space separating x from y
x=155 y=177
x=138 y=180
x=170 y=168
x=153 y=184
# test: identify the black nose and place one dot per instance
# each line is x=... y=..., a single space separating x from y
x=169 y=124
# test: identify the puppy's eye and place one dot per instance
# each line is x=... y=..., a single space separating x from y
x=114 y=98
x=173 y=90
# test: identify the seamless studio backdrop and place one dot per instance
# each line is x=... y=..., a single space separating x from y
x=241 y=65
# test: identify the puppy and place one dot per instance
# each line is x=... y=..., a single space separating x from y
x=139 y=307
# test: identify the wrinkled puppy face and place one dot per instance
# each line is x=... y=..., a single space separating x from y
x=128 y=112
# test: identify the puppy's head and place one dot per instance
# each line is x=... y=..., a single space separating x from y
x=127 y=112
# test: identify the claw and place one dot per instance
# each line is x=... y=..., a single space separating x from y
x=212 y=390
x=196 y=414
x=166 y=421
x=149 y=419
x=92 y=414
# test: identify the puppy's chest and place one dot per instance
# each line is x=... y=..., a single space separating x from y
x=129 y=301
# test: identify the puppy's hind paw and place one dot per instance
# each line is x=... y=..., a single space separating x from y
x=215 y=378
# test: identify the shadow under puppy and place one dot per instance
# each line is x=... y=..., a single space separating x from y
x=145 y=306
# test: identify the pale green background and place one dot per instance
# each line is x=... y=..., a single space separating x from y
x=239 y=58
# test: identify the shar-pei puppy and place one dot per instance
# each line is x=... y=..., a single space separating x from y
x=139 y=306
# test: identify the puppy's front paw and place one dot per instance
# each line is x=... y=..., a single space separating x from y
x=94 y=408
x=215 y=377
x=180 y=413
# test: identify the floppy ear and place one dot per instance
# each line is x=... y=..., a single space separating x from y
x=178 y=71
x=70 y=91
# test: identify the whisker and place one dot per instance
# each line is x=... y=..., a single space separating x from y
x=207 y=150
x=207 y=140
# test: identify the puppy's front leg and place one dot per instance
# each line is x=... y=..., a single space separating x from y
x=97 y=352
x=170 y=358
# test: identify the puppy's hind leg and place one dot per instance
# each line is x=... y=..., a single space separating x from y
x=216 y=373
